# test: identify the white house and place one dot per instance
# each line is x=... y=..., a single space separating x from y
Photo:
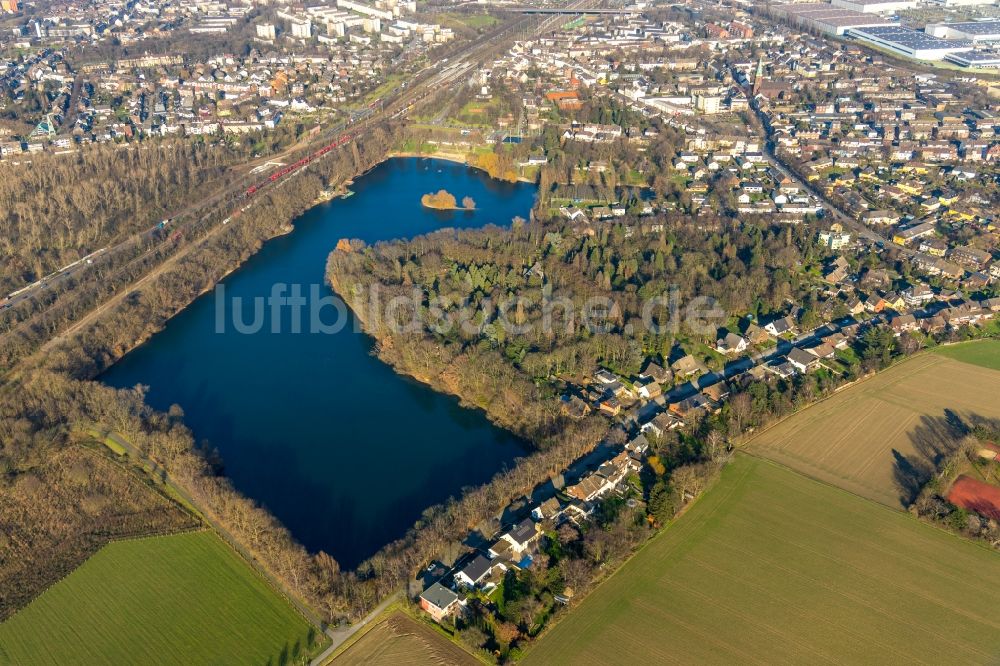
x=521 y=536
x=801 y=359
x=731 y=344
x=473 y=573
x=780 y=326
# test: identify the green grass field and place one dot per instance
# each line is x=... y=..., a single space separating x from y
x=772 y=567
x=473 y=21
x=179 y=599
x=477 y=21
x=978 y=352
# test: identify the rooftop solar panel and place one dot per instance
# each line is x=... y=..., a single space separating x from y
x=911 y=38
x=976 y=27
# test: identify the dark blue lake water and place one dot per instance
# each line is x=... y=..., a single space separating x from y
x=346 y=453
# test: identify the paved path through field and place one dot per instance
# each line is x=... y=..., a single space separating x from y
x=339 y=635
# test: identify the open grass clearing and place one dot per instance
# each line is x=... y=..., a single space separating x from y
x=985 y=353
x=476 y=21
x=880 y=437
x=770 y=566
x=391 y=82
x=178 y=599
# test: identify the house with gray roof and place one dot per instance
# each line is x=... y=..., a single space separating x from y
x=439 y=602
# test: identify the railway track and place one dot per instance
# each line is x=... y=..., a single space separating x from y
x=392 y=106
x=424 y=87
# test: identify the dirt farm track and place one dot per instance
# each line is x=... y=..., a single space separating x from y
x=880 y=437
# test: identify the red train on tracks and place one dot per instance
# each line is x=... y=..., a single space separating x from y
x=284 y=171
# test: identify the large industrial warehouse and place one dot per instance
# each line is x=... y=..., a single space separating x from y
x=978 y=59
x=910 y=43
x=825 y=18
x=876 y=6
x=974 y=31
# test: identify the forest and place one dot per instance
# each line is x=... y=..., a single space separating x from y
x=64 y=207
x=747 y=267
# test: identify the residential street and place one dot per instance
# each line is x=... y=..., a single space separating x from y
x=745 y=363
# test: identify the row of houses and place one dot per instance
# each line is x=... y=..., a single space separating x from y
x=961 y=313
x=514 y=548
x=481 y=570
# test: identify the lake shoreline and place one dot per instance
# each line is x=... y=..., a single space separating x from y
x=530 y=446
x=476 y=439
x=454 y=159
x=286 y=228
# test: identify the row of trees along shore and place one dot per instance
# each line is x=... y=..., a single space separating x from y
x=68 y=206
x=64 y=206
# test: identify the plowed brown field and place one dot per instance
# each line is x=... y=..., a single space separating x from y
x=399 y=640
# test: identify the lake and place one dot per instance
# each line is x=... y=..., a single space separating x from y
x=345 y=452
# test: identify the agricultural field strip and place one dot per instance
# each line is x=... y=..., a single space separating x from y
x=765 y=590
x=850 y=432
x=790 y=636
x=764 y=571
x=843 y=535
x=753 y=516
x=398 y=639
x=82 y=617
x=685 y=524
x=982 y=353
x=655 y=612
x=751 y=554
x=898 y=401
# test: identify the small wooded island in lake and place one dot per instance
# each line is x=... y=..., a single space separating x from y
x=445 y=200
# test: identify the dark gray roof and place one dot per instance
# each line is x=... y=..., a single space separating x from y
x=801 y=356
x=782 y=325
x=784 y=368
x=731 y=341
x=477 y=568
x=696 y=401
x=439 y=595
x=523 y=531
